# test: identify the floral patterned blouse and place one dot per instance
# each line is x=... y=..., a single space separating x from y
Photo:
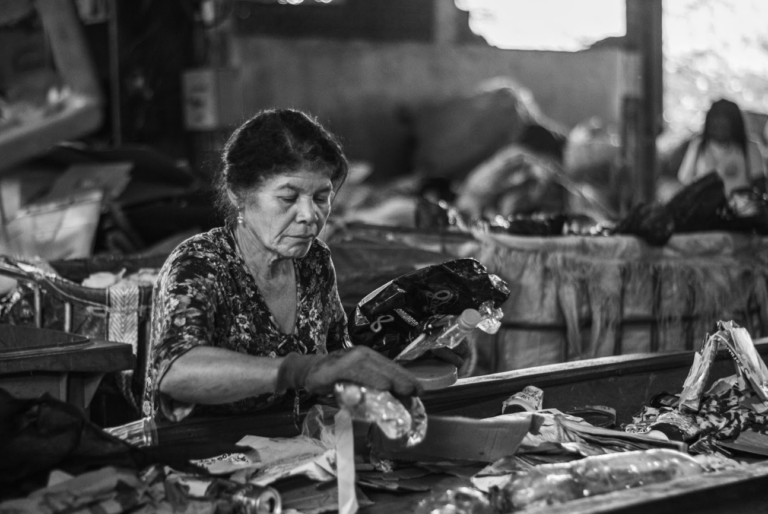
x=205 y=295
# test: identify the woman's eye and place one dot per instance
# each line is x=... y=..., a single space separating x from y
x=288 y=199
x=322 y=198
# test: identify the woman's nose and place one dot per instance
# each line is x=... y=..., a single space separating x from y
x=307 y=213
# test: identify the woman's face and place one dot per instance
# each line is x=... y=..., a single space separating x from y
x=288 y=211
x=720 y=129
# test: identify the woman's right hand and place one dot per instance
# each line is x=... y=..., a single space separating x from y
x=361 y=365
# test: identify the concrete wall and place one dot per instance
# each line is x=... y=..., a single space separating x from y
x=359 y=88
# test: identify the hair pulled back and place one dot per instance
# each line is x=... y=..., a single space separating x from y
x=731 y=111
x=273 y=142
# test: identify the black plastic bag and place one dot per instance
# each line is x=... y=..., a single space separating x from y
x=653 y=223
x=41 y=434
x=695 y=208
x=390 y=317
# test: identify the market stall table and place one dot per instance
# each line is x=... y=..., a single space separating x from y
x=581 y=297
x=623 y=382
x=69 y=367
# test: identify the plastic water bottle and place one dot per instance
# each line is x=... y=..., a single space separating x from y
x=386 y=411
x=457 y=330
x=449 y=336
x=548 y=484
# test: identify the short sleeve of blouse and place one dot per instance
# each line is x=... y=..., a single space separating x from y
x=184 y=305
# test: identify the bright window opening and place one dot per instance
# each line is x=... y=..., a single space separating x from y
x=566 y=25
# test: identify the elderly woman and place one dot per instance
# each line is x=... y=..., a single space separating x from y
x=245 y=312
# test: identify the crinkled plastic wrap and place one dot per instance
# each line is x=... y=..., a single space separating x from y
x=693 y=388
x=678 y=426
x=380 y=407
x=527 y=400
x=750 y=365
x=747 y=203
x=462 y=500
x=142 y=432
x=491 y=318
x=392 y=316
x=559 y=483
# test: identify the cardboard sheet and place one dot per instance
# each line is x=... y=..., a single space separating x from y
x=463 y=439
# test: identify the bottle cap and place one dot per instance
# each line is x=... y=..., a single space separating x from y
x=470 y=318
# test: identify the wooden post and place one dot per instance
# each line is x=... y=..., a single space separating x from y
x=445 y=22
x=644 y=35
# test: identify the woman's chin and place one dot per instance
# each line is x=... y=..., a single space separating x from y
x=297 y=250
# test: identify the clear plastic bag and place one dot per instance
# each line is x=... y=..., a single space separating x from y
x=142 y=432
x=462 y=500
x=558 y=483
x=382 y=408
x=491 y=315
x=452 y=333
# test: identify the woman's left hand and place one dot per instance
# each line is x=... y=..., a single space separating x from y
x=319 y=373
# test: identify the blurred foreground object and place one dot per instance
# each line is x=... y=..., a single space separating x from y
x=558 y=483
x=462 y=500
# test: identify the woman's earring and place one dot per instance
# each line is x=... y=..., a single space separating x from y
x=239 y=218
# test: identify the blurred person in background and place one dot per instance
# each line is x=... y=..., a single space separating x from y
x=723 y=147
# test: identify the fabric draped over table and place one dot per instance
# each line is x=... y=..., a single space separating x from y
x=583 y=297
x=123 y=327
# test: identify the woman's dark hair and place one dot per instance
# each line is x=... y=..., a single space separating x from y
x=272 y=142
x=729 y=110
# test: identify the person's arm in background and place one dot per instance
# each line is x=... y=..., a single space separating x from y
x=757 y=168
x=686 y=174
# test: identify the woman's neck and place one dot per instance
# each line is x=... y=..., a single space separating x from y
x=266 y=266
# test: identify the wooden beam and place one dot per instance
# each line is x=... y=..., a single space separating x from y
x=446 y=20
x=644 y=35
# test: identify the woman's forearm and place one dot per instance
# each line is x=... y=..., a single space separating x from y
x=208 y=375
